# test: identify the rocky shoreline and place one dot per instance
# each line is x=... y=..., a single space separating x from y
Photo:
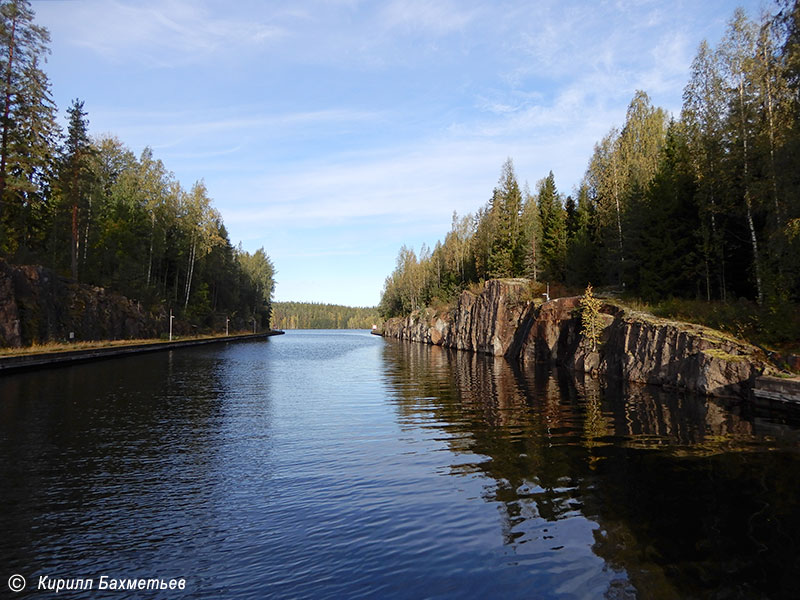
x=39 y=306
x=503 y=320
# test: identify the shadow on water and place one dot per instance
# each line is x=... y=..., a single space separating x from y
x=108 y=465
x=688 y=497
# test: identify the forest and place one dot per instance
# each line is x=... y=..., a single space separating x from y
x=695 y=215
x=313 y=315
x=92 y=210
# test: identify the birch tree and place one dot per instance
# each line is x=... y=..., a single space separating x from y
x=737 y=53
x=703 y=115
x=202 y=223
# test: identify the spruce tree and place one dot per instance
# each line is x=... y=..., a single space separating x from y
x=505 y=258
x=27 y=114
x=76 y=174
x=554 y=232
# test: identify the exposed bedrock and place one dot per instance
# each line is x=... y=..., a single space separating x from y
x=37 y=306
x=505 y=320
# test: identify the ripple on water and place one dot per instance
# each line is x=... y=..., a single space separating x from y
x=330 y=465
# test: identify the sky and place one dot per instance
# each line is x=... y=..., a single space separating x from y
x=332 y=132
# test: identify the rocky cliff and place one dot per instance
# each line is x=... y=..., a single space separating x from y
x=38 y=306
x=505 y=320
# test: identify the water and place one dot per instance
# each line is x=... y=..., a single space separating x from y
x=341 y=465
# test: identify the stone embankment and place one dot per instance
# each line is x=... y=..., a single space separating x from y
x=504 y=320
x=38 y=360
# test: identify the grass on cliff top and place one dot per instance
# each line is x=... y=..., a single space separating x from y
x=776 y=326
x=51 y=347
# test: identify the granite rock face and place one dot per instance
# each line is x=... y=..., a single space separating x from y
x=38 y=306
x=504 y=320
x=489 y=322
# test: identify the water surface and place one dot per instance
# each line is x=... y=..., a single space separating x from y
x=341 y=465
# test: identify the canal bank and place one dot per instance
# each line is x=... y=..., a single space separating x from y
x=23 y=362
x=503 y=320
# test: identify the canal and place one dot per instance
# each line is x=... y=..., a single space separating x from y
x=336 y=464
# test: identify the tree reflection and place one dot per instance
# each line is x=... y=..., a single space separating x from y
x=692 y=497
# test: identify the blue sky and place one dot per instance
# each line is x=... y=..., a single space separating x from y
x=331 y=132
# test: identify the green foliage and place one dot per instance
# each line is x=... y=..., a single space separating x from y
x=27 y=127
x=531 y=237
x=505 y=248
x=775 y=324
x=311 y=315
x=591 y=320
x=554 y=231
x=700 y=217
x=91 y=208
x=582 y=246
x=663 y=227
x=703 y=208
x=76 y=179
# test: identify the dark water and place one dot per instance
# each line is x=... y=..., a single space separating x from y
x=341 y=465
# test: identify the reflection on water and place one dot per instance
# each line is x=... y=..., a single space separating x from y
x=341 y=465
x=689 y=497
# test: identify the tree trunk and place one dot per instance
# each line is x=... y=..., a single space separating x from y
x=74 y=245
x=619 y=219
x=150 y=259
x=747 y=200
x=719 y=250
x=189 y=273
x=771 y=131
x=86 y=230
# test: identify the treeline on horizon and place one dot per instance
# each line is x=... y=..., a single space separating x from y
x=92 y=210
x=312 y=315
x=705 y=207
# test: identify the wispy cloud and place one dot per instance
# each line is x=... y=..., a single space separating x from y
x=348 y=115
x=197 y=133
x=417 y=16
x=159 y=33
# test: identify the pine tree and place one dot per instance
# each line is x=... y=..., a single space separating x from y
x=27 y=115
x=76 y=174
x=591 y=320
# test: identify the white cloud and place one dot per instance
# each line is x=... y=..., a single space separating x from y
x=347 y=113
x=157 y=33
x=415 y=16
